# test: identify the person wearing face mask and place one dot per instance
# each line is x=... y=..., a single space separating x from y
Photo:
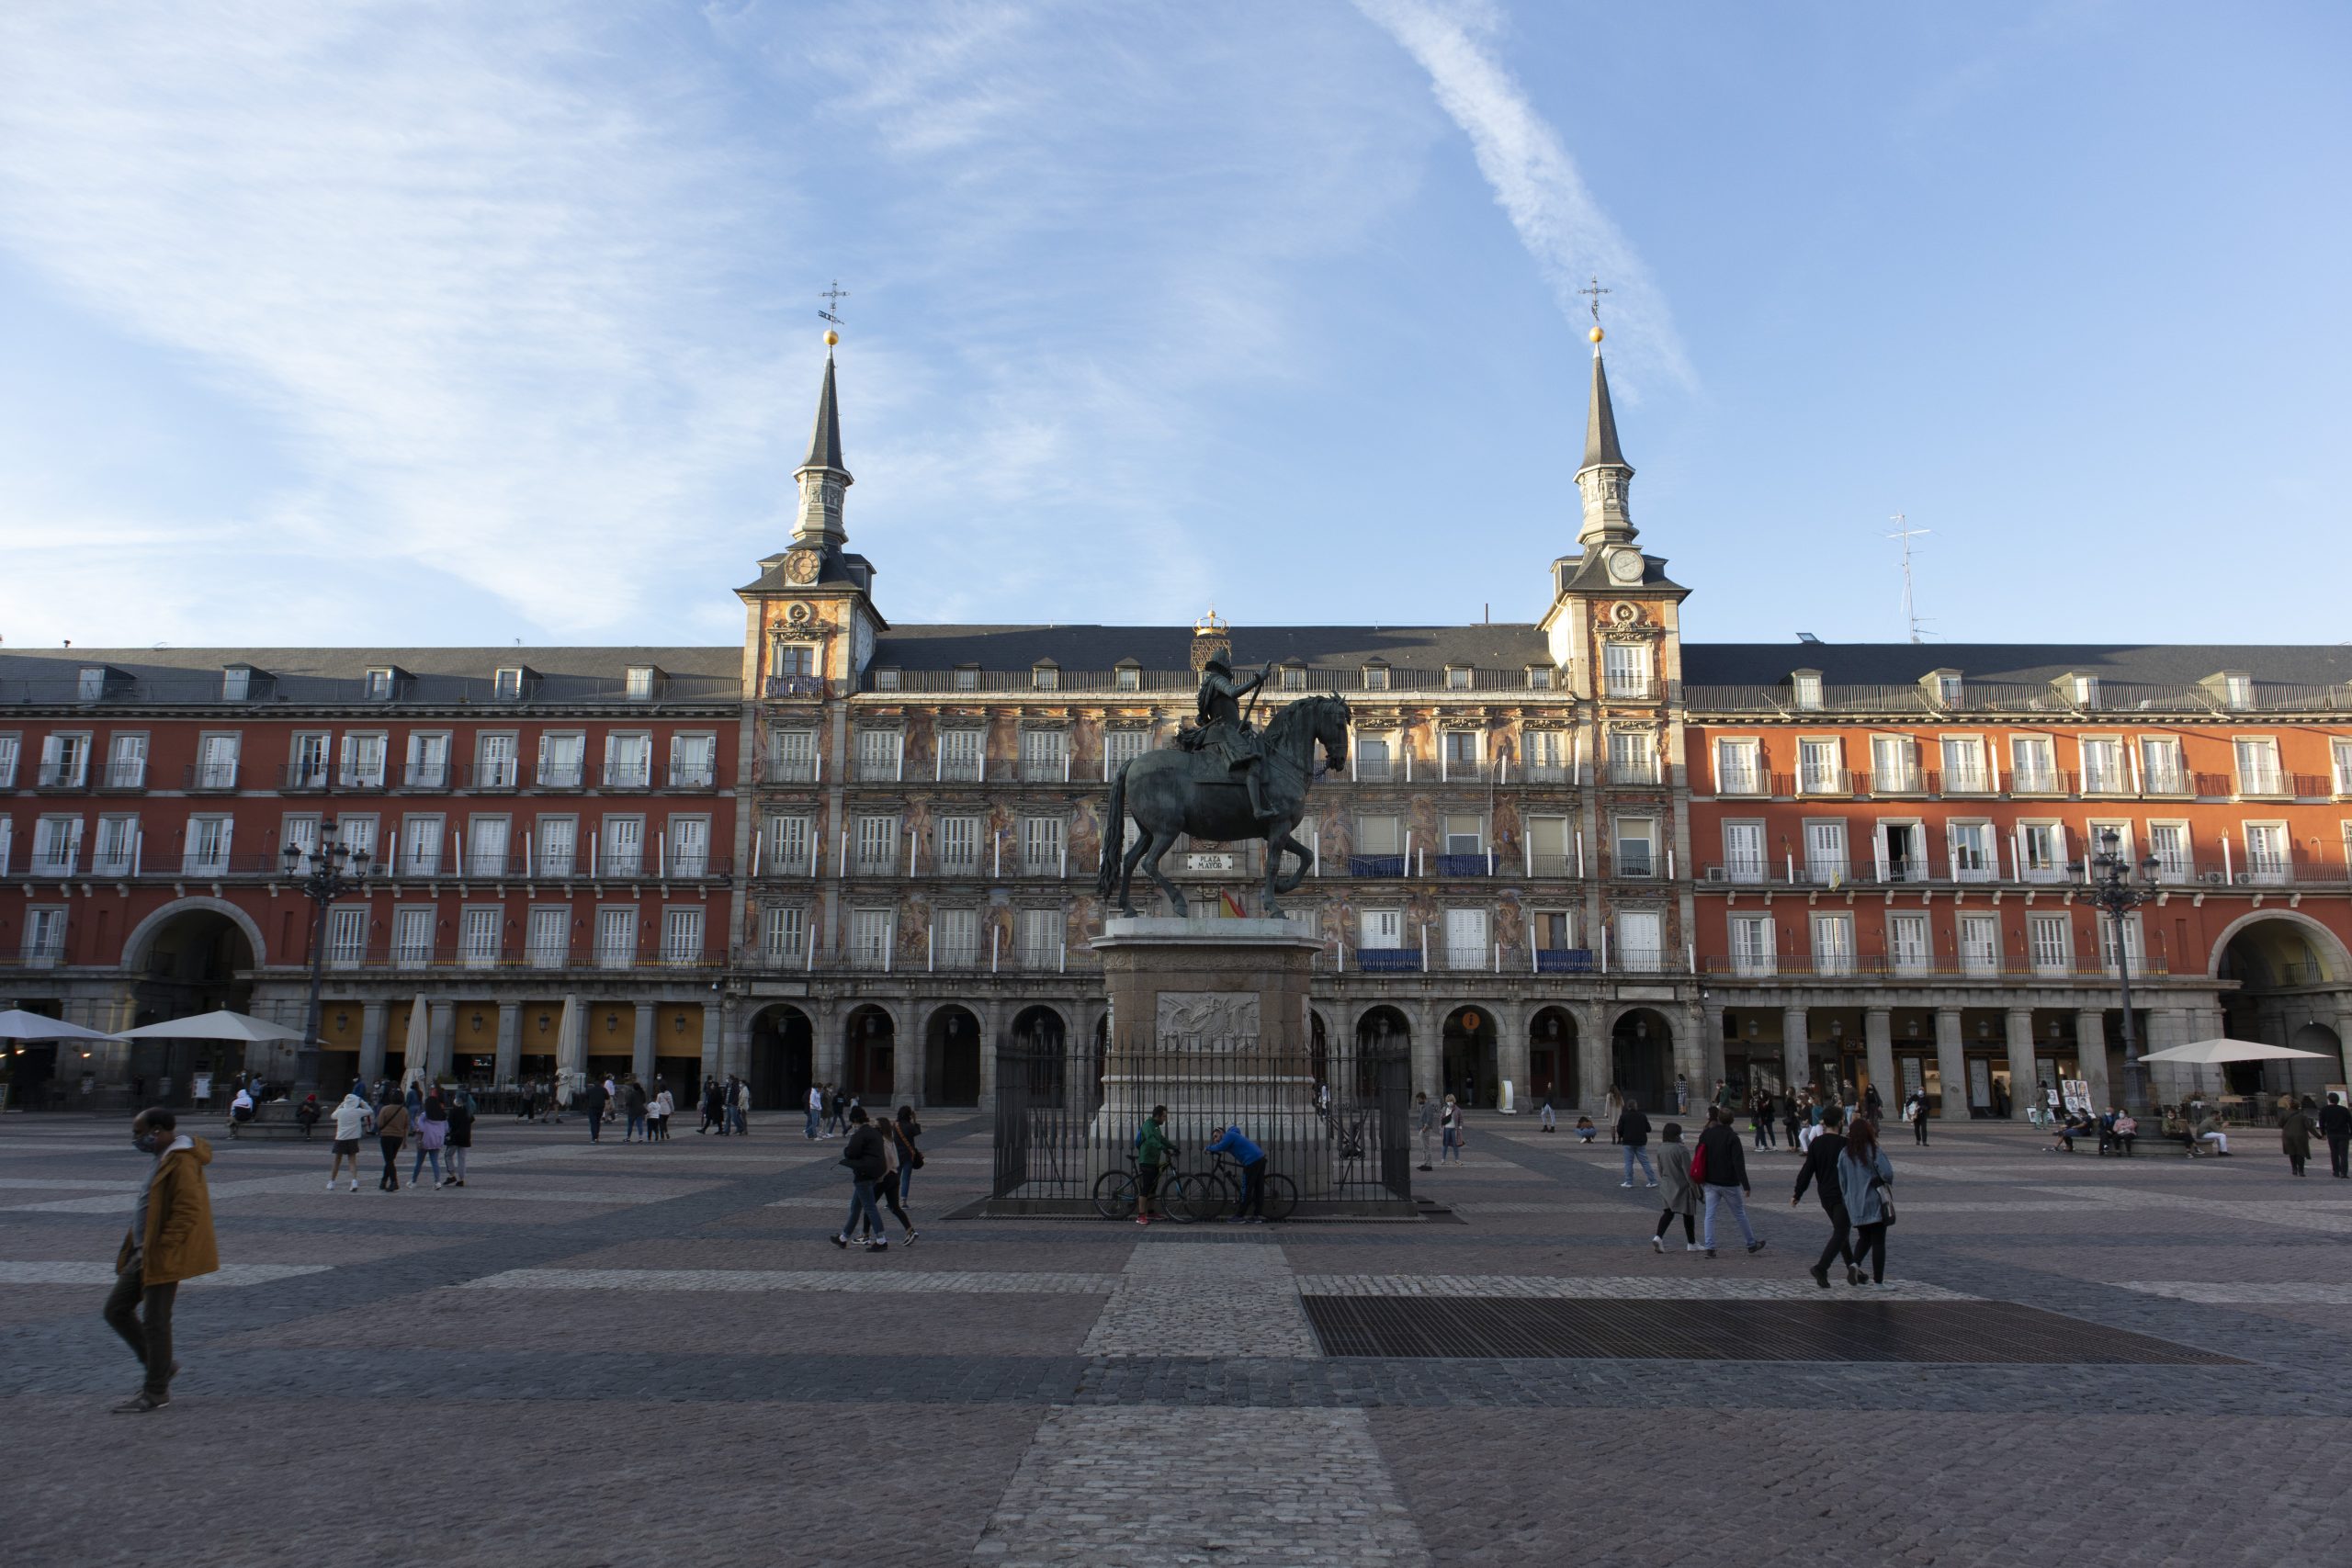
x=170 y=1240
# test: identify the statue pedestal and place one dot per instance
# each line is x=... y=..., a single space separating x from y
x=1209 y=1017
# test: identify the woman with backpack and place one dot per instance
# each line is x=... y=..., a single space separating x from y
x=1866 y=1180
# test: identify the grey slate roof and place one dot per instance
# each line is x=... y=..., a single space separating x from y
x=338 y=674
x=2023 y=664
x=825 y=439
x=1498 y=646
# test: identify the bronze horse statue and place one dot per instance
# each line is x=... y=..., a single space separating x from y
x=1173 y=792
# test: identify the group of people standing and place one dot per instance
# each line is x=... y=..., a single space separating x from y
x=832 y=1113
x=439 y=1121
x=882 y=1156
x=725 y=1106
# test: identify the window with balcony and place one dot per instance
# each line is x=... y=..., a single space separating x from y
x=874 y=845
x=1462 y=754
x=1465 y=940
x=1636 y=840
x=2170 y=843
x=44 y=937
x=2032 y=766
x=962 y=754
x=1625 y=669
x=1907 y=943
x=1963 y=765
x=1743 y=853
x=1465 y=845
x=2258 y=771
x=869 y=938
x=1975 y=855
x=1040 y=846
x=1900 y=852
x=637 y=684
x=495 y=764
x=1894 y=765
x=555 y=847
x=783 y=932
x=65 y=762
x=1044 y=755
x=1833 y=944
x=956 y=938
x=346 y=937
x=486 y=844
x=1120 y=747
x=117 y=850
x=127 y=760
x=1980 y=944
x=628 y=761
x=1821 y=767
x=7 y=842
x=1040 y=936
x=1379 y=847
x=2111 y=957
x=57 y=846
x=1546 y=754
x=412 y=937
x=878 y=752
x=2342 y=751
x=420 y=846
x=2041 y=851
x=1751 y=944
x=1633 y=757
x=1739 y=767
x=623 y=854
x=359 y=836
x=2161 y=769
x=1372 y=761
x=2050 y=943
x=959 y=840
x=206 y=849
x=301 y=833
x=681 y=936
x=693 y=762
x=546 y=942
x=1380 y=930
x=562 y=763
x=363 y=759
x=1641 y=941
x=478 y=937
x=789 y=847
x=1825 y=864
x=2268 y=853
x=1557 y=949
x=428 y=759
x=9 y=747
x=616 y=938
x=689 y=849
x=2104 y=770
x=792 y=756
x=1550 y=847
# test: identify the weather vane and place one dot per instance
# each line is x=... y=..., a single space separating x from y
x=1596 y=291
x=832 y=298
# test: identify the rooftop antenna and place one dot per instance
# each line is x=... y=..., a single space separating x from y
x=1905 y=533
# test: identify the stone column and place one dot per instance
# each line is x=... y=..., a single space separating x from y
x=1878 y=1053
x=907 y=1047
x=371 y=1042
x=828 y=1051
x=1592 y=1059
x=440 y=1039
x=2024 y=1093
x=2344 y=1045
x=1796 y=1061
x=1951 y=1061
x=1511 y=1054
x=1711 y=1038
x=1428 y=1051
x=714 y=1039
x=2091 y=1055
x=991 y=1025
x=509 y=1067
x=641 y=1056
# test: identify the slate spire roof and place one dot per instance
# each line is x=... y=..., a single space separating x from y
x=1600 y=449
x=825 y=440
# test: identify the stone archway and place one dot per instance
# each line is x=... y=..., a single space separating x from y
x=1551 y=1057
x=783 y=1063
x=1470 y=1068
x=2292 y=976
x=869 y=1054
x=951 y=1057
x=194 y=955
x=1641 y=1058
x=137 y=948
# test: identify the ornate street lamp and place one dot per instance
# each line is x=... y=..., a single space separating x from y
x=325 y=883
x=2119 y=885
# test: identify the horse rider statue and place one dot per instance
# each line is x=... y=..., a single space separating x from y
x=1223 y=729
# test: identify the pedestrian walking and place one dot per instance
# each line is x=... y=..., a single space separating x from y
x=1449 y=1126
x=633 y=1103
x=1819 y=1172
x=2295 y=1130
x=1251 y=1209
x=1633 y=1130
x=170 y=1239
x=709 y=1104
x=740 y=1108
x=909 y=1156
x=1914 y=1110
x=461 y=1140
x=1681 y=1193
x=1866 y=1180
x=352 y=1117
x=863 y=1156
x=1551 y=1117
x=2336 y=1126
x=887 y=1188
x=592 y=1102
x=1681 y=1095
x=431 y=1130
x=658 y=1114
x=1759 y=1119
x=1720 y=1169
x=1154 y=1152
x=1612 y=1105
x=391 y=1134
x=1424 y=1126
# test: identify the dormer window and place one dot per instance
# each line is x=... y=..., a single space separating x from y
x=1294 y=677
x=1376 y=677
x=968 y=677
x=93 y=682
x=885 y=680
x=2237 y=691
x=1804 y=688
x=1945 y=686
x=1046 y=676
x=379 y=685
x=1457 y=677
x=2084 y=689
x=1539 y=677
x=637 y=684
x=507 y=684
x=236 y=683
x=1128 y=676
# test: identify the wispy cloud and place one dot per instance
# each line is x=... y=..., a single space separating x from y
x=1534 y=180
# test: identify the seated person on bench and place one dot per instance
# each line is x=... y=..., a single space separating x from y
x=2123 y=1130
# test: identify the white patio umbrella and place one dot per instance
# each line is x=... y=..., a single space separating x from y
x=2207 y=1052
x=569 y=1058
x=17 y=1024
x=414 y=1048
x=221 y=1025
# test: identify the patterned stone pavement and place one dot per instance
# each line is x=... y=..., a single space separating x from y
x=592 y=1354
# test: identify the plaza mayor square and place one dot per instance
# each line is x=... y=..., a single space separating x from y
x=1420 y=782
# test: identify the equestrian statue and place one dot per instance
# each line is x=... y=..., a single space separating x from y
x=1223 y=781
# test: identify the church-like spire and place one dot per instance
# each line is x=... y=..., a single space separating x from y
x=1604 y=476
x=821 y=474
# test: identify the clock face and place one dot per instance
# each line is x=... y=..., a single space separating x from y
x=1625 y=566
x=802 y=567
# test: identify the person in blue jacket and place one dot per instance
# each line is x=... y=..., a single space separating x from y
x=1252 y=1160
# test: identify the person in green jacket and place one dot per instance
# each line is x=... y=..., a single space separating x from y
x=1152 y=1151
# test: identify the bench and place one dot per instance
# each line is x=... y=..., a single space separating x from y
x=275 y=1120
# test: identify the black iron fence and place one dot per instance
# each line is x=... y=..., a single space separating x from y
x=1337 y=1122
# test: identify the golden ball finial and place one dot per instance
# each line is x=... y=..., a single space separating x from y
x=832 y=337
x=1594 y=334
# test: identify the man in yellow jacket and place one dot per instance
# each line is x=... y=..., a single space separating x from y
x=170 y=1240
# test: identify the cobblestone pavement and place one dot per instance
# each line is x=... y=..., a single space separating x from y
x=595 y=1353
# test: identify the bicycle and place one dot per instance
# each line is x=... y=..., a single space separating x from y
x=1280 y=1193
x=1118 y=1193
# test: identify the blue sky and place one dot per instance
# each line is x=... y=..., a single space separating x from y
x=460 y=323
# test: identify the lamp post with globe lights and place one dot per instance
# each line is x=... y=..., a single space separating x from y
x=2119 y=886
x=334 y=867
